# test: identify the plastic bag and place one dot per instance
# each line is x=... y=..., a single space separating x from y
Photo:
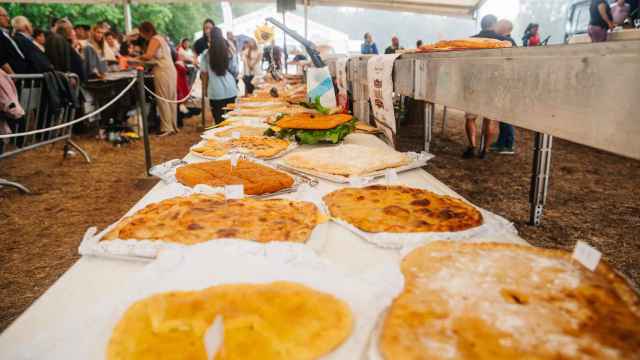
x=320 y=85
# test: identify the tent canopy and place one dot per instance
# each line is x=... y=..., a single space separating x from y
x=463 y=8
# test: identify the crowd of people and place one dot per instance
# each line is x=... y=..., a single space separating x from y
x=92 y=51
x=369 y=47
x=493 y=29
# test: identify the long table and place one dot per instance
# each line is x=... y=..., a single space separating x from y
x=91 y=279
x=554 y=91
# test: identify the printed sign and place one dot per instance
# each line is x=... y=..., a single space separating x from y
x=587 y=255
x=379 y=72
x=341 y=82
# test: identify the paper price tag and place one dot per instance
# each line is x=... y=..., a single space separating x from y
x=213 y=337
x=235 y=135
x=587 y=255
x=356 y=181
x=234 y=192
x=234 y=157
x=391 y=176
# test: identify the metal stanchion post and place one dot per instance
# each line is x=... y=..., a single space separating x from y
x=203 y=104
x=444 y=120
x=145 y=125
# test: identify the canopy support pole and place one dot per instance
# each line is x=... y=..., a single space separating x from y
x=306 y=19
x=127 y=16
x=284 y=50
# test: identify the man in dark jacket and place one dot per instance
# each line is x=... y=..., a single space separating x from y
x=37 y=61
x=57 y=47
x=12 y=60
x=394 y=47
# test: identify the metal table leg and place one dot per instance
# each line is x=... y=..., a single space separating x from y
x=429 y=110
x=145 y=125
x=540 y=176
x=444 y=120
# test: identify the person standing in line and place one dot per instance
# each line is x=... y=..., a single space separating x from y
x=251 y=60
x=531 y=35
x=201 y=45
x=112 y=44
x=601 y=20
x=82 y=34
x=368 y=46
x=94 y=52
x=76 y=62
x=506 y=138
x=488 y=31
x=620 y=11
x=220 y=86
x=39 y=39
x=37 y=61
x=185 y=52
x=164 y=77
x=12 y=60
x=394 y=47
x=234 y=64
x=57 y=46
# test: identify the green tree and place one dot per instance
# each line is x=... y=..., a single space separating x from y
x=188 y=19
x=177 y=21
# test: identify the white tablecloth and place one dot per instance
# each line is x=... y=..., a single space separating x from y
x=92 y=279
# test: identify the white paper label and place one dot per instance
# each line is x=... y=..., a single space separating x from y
x=356 y=181
x=587 y=255
x=214 y=337
x=391 y=175
x=234 y=157
x=234 y=191
x=235 y=135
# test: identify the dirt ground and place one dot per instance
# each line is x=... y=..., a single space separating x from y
x=594 y=197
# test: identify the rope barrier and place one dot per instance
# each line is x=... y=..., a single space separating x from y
x=174 y=101
x=133 y=81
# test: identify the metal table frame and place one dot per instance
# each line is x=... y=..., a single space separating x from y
x=559 y=91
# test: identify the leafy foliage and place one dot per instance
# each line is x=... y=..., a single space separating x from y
x=312 y=137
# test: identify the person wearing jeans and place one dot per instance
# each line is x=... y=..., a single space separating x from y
x=220 y=86
x=251 y=58
x=506 y=138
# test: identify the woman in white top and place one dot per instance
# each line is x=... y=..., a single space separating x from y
x=164 y=77
x=252 y=60
x=217 y=80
